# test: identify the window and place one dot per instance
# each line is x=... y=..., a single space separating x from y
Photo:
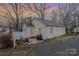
x=51 y=30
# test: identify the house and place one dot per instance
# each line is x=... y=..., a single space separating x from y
x=76 y=29
x=28 y=27
x=48 y=28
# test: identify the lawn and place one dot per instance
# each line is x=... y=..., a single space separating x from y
x=64 y=37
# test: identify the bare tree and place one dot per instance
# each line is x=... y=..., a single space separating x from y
x=13 y=13
x=38 y=8
x=54 y=16
x=65 y=13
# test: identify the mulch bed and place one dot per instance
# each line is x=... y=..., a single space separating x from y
x=17 y=48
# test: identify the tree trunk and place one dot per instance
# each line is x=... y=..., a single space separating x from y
x=17 y=25
x=17 y=17
x=66 y=30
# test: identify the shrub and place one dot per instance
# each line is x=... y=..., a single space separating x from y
x=6 y=41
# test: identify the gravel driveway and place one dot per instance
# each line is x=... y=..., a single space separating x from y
x=60 y=48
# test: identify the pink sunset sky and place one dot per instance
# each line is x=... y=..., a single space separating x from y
x=52 y=6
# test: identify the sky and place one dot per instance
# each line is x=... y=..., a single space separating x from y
x=53 y=6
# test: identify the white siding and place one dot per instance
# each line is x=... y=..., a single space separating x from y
x=45 y=31
x=50 y=35
x=31 y=31
x=60 y=31
x=39 y=25
x=57 y=31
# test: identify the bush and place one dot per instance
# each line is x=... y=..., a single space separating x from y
x=6 y=41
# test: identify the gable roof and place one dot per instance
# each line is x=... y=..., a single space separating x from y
x=27 y=23
x=49 y=23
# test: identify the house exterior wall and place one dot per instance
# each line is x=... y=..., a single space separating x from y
x=60 y=31
x=44 y=30
x=27 y=30
x=56 y=31
x=49 y=34
x=40 y=28
x=31 y=31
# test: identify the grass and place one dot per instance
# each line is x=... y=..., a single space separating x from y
x=64 y=37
